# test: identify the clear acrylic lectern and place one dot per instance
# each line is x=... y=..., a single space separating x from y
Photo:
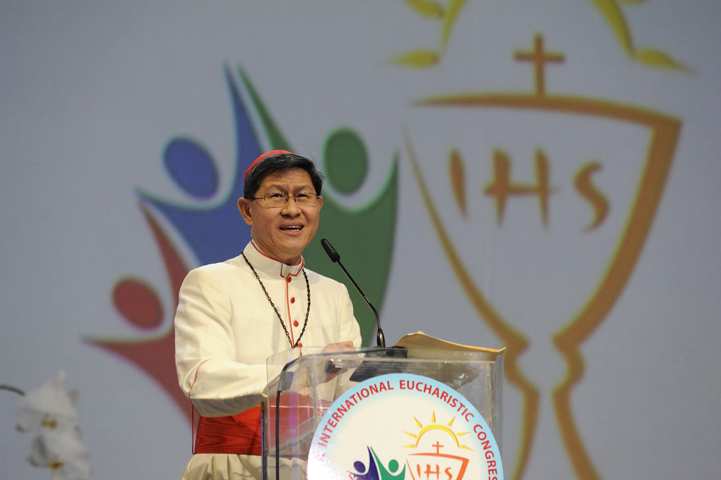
x=304 y=383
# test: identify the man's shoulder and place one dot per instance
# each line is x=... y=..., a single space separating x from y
x=315 y=277
x=229 y=267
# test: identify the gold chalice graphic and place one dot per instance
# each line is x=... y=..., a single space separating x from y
x=661 y=133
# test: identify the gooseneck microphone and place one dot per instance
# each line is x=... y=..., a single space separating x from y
x=335 y=258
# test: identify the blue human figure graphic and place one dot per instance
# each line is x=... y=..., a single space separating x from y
x=214 y=232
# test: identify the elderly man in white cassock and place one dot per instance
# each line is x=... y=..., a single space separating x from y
x=233 y=315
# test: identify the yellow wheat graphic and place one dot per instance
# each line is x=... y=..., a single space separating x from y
x=613 y=13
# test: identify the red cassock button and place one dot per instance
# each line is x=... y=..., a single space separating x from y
x=300 y=344
x=288 y=278
x=295 y=323
x=292 y=299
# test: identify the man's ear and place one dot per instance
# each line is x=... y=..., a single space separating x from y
x=244 y=207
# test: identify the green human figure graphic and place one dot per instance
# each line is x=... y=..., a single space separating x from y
x=364 y=236
x=393 y=466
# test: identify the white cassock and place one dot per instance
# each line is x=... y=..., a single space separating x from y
x=225 y=329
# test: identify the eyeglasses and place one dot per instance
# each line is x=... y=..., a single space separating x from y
x=275 y=200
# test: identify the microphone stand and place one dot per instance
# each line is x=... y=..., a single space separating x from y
x=335 y=258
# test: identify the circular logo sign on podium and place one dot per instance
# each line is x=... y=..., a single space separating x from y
x=403 y=427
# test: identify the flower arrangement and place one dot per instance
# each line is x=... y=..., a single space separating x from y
x=50 y=409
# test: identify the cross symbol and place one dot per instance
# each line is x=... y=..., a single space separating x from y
x=540 y=58
x=438 y=447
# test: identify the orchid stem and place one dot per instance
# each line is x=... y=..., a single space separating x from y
x=12 y=389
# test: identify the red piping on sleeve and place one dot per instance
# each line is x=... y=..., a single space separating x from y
x=193 y=411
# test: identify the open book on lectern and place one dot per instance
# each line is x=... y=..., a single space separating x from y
x=419 y=347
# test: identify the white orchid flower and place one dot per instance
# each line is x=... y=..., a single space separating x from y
x=63 y=453
x=48 y=406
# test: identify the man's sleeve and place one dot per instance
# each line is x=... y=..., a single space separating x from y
x=205 y=356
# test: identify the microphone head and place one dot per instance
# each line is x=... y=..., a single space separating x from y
x=332 y=254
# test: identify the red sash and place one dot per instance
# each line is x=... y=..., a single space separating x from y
x=241 y=434
x=238 y=434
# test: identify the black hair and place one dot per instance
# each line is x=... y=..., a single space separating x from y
x=280 y=163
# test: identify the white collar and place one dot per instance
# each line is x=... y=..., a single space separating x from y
x=270 y=266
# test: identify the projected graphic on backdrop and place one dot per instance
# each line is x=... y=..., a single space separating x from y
x=550 y=229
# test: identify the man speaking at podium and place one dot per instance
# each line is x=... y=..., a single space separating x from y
x=233 y=315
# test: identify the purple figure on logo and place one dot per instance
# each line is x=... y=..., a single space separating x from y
x=365 y=474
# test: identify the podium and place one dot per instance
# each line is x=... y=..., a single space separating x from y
x=374 y=414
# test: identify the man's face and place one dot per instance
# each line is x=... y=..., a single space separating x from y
x=282 y=232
